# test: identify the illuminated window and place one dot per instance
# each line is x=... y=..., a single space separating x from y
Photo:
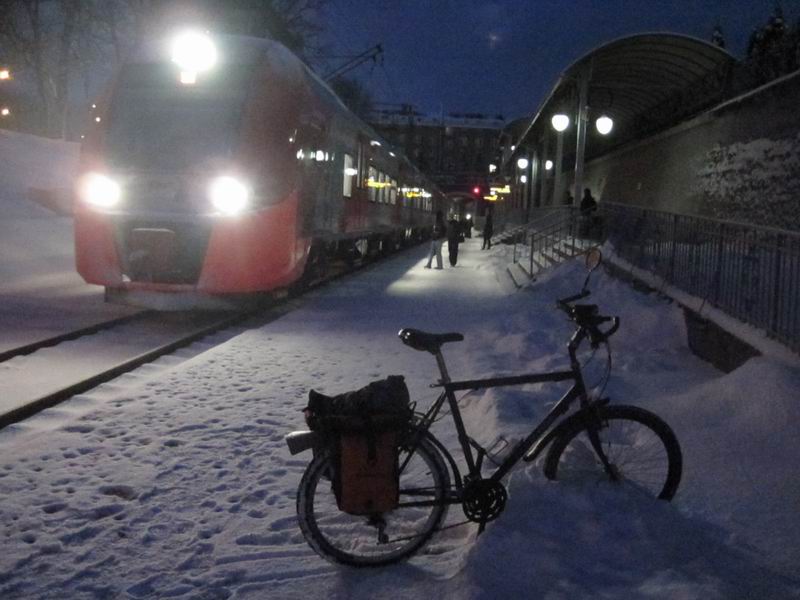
x=382 y=189
x=372 y=177
x=349 y=172
x=393 y=191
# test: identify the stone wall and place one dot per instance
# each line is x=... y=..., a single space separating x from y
x=739 y=161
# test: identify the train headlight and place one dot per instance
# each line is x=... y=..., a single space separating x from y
x=100 y=190
x=194 y=52
x=229 y=195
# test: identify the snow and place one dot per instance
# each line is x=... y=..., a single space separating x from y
x=37 y=264
x=174 y=481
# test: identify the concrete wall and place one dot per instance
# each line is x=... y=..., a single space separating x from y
x=739 y=161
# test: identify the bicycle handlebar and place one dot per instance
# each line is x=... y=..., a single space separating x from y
x=563 y=303
x=586 y=316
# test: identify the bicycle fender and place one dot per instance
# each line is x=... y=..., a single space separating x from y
x=300 y=441
x=565 y=425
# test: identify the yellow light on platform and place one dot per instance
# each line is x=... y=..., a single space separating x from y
x=506 y=189
x=378 y=184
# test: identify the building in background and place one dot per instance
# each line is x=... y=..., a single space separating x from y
x=455 y=150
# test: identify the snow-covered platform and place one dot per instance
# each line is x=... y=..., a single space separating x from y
x=174 y=481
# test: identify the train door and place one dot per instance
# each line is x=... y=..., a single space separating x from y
x=314 y=157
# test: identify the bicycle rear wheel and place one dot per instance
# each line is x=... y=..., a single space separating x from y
x=642 y=451
x=376 y=540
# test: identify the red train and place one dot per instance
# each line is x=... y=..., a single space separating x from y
x=220 y=167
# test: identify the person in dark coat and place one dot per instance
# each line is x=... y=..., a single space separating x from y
x=468 y=226
x=588 y=203
x=488 y=229
x=437 y=239
x=588 y=221
x=453 y=239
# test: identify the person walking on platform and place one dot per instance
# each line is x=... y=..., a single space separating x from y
x=588 y=221
x=437 y=238
x=453 y=239
x=488 y=229
x=468 y=226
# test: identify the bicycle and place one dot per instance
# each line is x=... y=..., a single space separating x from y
x=598 y=440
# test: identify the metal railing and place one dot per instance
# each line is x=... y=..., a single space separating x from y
x=751 y=273
x=553 y=235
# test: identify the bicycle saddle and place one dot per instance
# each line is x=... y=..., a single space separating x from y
x=430 y=342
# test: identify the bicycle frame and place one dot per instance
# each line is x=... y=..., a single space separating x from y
x=474 y=462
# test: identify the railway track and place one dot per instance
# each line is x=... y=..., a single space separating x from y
x=45 y=373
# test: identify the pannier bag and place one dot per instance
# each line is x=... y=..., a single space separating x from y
x=362 y=429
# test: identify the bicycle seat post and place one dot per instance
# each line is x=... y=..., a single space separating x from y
x=442 y=367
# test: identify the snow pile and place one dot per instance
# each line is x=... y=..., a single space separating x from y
x=27 y=162
x=177 y=483
x=754 y=182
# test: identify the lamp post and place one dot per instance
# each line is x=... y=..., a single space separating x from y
x=560 y=123
x=522 y=165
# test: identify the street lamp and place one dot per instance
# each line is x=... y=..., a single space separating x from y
x=560 y=123
x=548 y=165
x=522 y=163
x=5 y=74
x=604 y=124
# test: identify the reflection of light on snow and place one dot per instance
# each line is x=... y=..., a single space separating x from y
x=417 y=281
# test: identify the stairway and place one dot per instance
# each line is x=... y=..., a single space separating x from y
x=546 y=241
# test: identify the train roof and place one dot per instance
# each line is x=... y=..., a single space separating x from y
x=245 y=50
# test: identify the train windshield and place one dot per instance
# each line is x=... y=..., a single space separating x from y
x=158 y=123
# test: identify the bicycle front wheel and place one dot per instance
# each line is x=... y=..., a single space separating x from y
x=375 y=540
x=641 y=450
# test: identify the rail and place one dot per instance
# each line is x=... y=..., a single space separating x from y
x=751 y=273
x=553 y=235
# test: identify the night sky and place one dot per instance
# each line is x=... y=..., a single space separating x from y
x=503 y=57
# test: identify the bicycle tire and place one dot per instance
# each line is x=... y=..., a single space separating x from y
x=351 y=540
x=640 y=446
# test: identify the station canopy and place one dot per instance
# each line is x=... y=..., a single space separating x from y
x=645 y=82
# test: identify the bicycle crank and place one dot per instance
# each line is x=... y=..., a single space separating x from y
x=484 y=500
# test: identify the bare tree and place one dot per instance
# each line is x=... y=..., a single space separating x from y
x=45 y=40
x=53 y=43
x=291 y=22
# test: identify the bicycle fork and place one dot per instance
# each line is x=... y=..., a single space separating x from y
x=593 y=427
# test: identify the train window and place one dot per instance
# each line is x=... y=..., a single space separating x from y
x=348 y=174
x=382 y=188
x=155 y=124
x=362 y=165
x=372 y=178
x=393 y=191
